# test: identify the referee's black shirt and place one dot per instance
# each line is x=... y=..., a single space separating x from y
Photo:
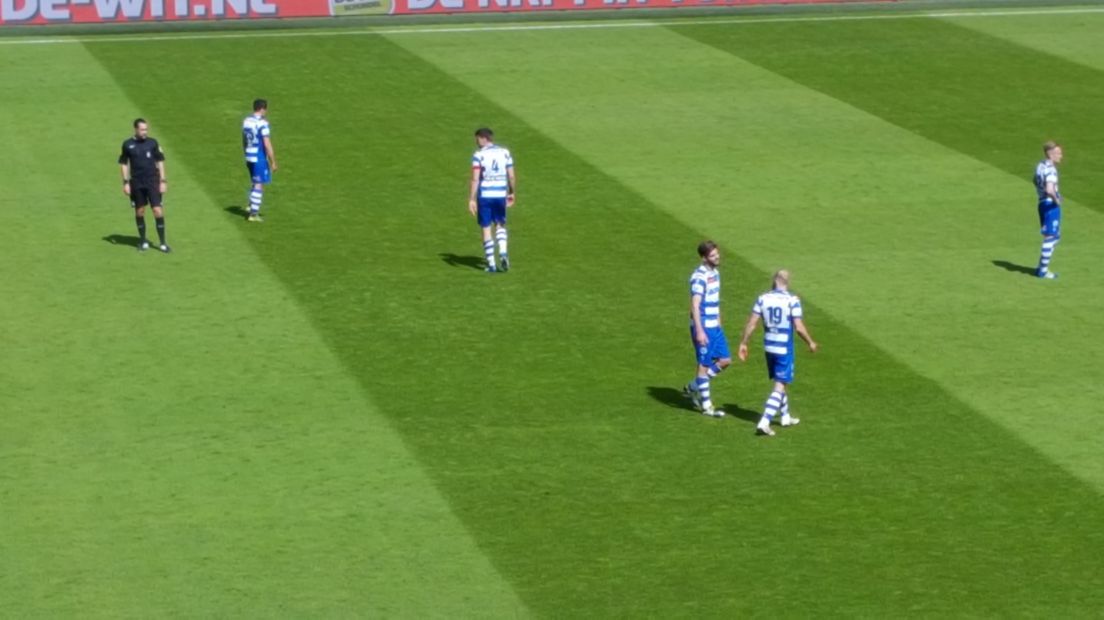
x=142 y=156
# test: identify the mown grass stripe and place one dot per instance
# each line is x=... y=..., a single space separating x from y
x=985 y=80
x=176 y=440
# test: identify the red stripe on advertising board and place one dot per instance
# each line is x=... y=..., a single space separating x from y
x=16 y=12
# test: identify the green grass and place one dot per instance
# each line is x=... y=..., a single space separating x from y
x=334 y=414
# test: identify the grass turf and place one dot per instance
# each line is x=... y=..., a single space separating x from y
x=541 y=404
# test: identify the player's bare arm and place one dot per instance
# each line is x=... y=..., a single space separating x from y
x=695 y=316
x=474 y=191
x=749 y=329
x=799 y=327
x=270 y=152
x=511 y=197
x=125 y=170
x=164 y=182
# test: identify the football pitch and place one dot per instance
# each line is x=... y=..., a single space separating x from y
x=337 y=413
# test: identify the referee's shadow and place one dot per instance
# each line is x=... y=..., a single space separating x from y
x=675 y=399
x=129 y=241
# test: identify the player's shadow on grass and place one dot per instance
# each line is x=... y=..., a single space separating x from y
x=129 y=241
x=236 y=211
x=1007 y=266
x=675 y=399
x=455 y=260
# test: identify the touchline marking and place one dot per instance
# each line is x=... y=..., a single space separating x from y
x=336 y=32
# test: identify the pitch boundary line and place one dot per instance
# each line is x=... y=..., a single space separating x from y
x=589 y=25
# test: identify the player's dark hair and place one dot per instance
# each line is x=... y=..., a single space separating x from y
x=705 y=247
x=260 y=104
x=1049 y=146
x=484 y=132
x=138 y=121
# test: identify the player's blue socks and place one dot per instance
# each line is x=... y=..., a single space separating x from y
x=255 y=197
x=785 y=405
x=1045 y=256
x=488 y=252
x=770 y=409
x=702 y=384
x=140 y=220
x=713 y=370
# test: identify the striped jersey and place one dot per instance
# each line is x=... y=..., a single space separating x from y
x=254 y=131
x=778 y=309
x=493 y=161
x=706 y=282
x=1046 y=172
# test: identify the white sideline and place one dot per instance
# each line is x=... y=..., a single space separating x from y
x=613 y=23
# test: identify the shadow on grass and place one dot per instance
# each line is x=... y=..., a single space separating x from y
x=1013 y=267
x=237 y=211
x=129 y=241
x=672 y=397
x=455 y=260
x=734 y=410
x=675 y=399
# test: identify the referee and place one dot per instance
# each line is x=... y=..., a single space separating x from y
x=143 y=166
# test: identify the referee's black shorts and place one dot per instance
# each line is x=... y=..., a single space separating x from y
x=142 y=195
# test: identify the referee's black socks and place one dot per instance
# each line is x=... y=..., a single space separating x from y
x=160 y=228
x=141 y=221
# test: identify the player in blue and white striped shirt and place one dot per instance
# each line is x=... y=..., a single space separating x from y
x=1050 y=206
x=260 y=159
x=493 y=189
x=706 y=332
x=782 y=316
